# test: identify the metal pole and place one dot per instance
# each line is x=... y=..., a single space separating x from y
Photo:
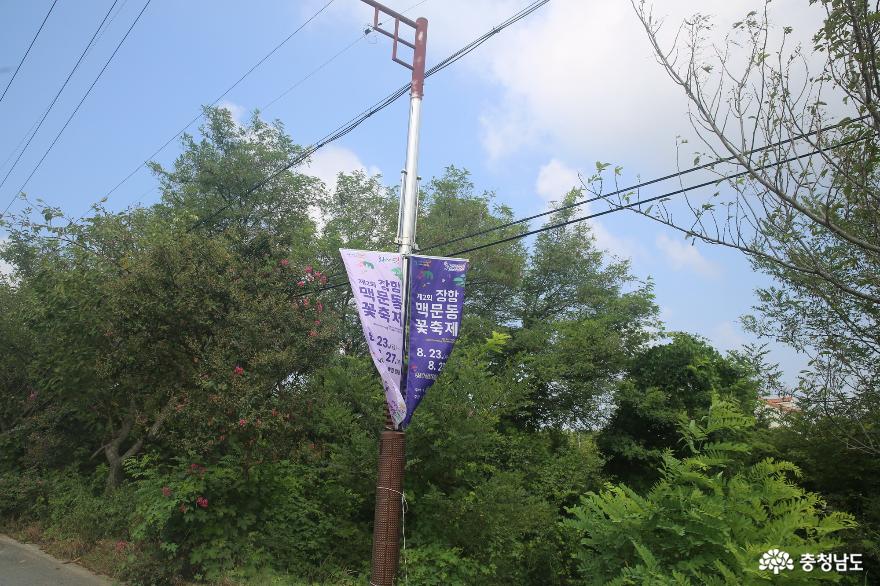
x=392 y=444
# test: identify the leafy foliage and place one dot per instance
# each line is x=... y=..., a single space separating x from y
x=708 y=519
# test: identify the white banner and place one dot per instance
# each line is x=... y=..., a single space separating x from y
x=377 y=283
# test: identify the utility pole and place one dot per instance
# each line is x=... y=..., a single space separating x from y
x=392 y=445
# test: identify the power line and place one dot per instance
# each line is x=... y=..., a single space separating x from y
x=52 y=103
x=377 y=107
x=338 y=54
x=86 y=95
x=26 y=53
x=315 y=70
x=631 y=188
x=703 y=167
x=630 y=205
x=223 y=95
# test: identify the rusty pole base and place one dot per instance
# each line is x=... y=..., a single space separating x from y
x=389 y=486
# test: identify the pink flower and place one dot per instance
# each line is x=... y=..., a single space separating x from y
x=32 y=396
x=238 y=371
x=319 y=306
x=306 y=302
x=309 y=269
x=274 y=412
x=242 y=422
x=302 y=283
x=182 y=508
x=202 y=502
x=323 y=279
x=317 y=322
x=166 y=491
x=120 y=546
x=313 y=334
x=284 y=262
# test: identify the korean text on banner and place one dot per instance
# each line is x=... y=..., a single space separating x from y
x=436 y=300
x=376 y=281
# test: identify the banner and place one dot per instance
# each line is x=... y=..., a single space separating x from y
x=436 y=298
x=376 y=281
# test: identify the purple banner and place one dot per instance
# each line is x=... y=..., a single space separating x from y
x=376 y=279
x=435 y=305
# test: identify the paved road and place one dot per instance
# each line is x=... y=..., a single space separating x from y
x=25 y=565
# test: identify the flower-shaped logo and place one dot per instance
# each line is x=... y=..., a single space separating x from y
x=776 y=560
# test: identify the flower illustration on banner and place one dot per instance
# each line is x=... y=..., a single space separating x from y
x=459 y=280
x=398 y=273
x=368 y=264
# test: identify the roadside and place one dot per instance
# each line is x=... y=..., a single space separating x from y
x=23 y=564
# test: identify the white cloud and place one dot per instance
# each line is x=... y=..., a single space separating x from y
x=682 y=255
x=727 y=336
x=328 y=162
x=576 y=76
x=5 y=267
x=555 y=180
x=235 y=110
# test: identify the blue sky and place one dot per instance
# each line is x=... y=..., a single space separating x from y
x=573 y=84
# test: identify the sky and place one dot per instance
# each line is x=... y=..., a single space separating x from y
x=527 y=113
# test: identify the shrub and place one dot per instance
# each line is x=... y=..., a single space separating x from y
x=707 y=520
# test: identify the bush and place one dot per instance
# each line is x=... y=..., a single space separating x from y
x=435 y=565
x=709 y=518
x=77 y=507
x=232 y=514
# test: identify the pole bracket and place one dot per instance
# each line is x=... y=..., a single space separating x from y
x=418 y=43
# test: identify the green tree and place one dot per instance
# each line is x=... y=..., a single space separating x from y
x=664 y=383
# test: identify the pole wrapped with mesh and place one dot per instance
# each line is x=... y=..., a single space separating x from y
x=389 y=488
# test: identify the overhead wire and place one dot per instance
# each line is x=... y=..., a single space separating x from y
x=75 y=110
x=333 y=58
x=52 y=104
x=353 y=123
x=629 y=205
x=676 y=175
x=223 y=95
x=27 y=52
x=631 y=188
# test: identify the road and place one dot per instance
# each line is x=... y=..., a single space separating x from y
x=25 y=565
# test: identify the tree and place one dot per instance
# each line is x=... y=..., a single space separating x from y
x=663 y=384
x=709 y=518
x=141 y=319
x=578 y=317
x=810 y=222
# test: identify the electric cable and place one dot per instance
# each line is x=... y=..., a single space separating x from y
x=621 y=191
x=626 y=206
x=27 y=52
x=223 y=95
x=675 y=175
x=52 y=104
x=335 y=56
x=377 y=107
x=83 y=99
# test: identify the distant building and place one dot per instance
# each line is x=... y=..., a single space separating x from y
x=774 y=409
